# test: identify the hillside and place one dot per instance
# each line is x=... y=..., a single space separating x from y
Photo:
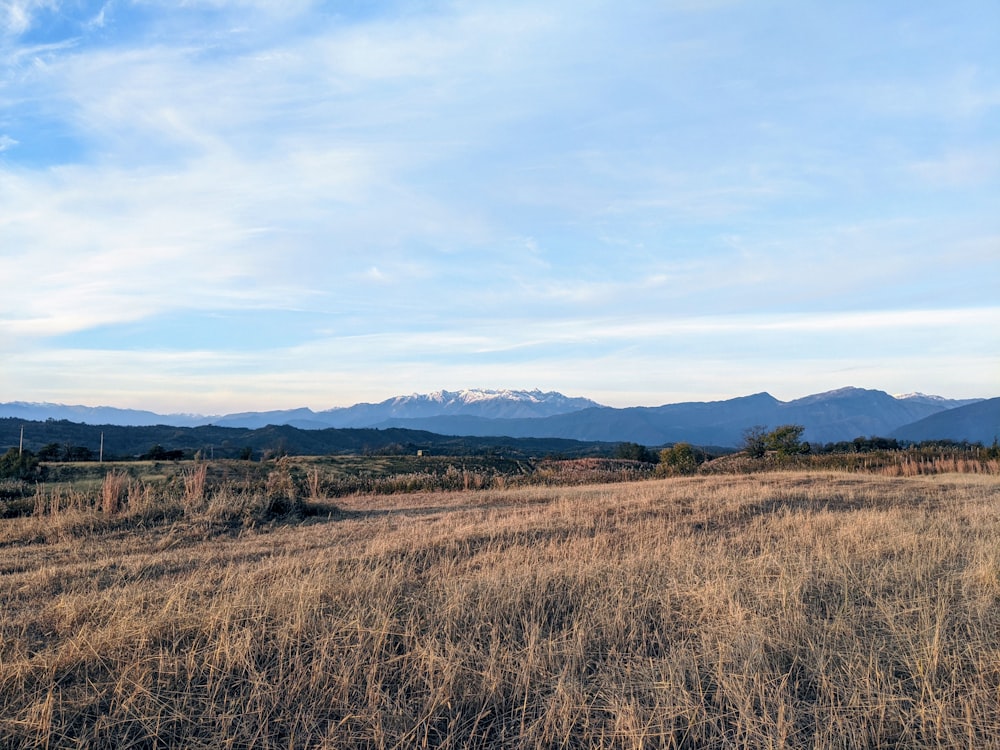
x=834 y=416
x=977 y=422
x=229 y=442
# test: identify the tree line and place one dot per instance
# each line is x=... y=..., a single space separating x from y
x=786 y=441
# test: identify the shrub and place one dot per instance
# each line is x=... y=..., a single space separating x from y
x=634 y=452
x=159 y=453
x=280 y=496
x=787 y=440
x=679 y=459
x=18 y=464
x=755 y=441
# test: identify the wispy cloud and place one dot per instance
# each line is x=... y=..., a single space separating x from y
x=17 y=14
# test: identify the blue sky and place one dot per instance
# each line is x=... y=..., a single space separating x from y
x=218 y=205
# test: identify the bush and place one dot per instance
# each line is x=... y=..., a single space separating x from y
x=679 y=459
x=159 y=453
x=755 y=441
x=18 y=464
x=785 y=440
x=634 y=452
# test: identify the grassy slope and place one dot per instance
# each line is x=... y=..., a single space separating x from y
x=774 y=610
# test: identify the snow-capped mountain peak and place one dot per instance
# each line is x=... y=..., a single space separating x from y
x=940 y=401
x=918 y=396
x=486 y=402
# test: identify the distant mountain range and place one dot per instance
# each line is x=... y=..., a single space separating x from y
x=833 y=416
x=976 y=422
x=487 y=404
x=479 y=403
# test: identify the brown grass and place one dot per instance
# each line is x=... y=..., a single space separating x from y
x=891 y=463
x=113 y=492
x=764 y=611
x=194 y=485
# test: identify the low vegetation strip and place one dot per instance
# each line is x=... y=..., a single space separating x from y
x=31 y=485
x=816 y=609
x=163 y=489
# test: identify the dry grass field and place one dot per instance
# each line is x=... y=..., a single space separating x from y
x=772 y=610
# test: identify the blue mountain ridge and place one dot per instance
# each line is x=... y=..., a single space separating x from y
x=843 y=414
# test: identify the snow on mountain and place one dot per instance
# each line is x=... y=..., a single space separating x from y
x=477 y=402
x=474 y=402
x=918 y=396
x=941 y=401
x=503 y=403
x=838 y=415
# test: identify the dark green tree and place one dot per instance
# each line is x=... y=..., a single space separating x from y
x=78 y=453
x=159 y=453
x=679 y=459
x=50 y=452
x=17 y=464
x=994 y=450
x=634 y=452
x=755 y=441
x=786 y=440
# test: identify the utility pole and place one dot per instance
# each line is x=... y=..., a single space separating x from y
x=20 y=445
x=101 y=459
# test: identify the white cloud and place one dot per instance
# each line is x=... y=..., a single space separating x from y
x=17 y=14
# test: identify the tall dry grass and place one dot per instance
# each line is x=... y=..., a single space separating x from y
x=194 y=485
x=113 y=492
x=765 y=611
